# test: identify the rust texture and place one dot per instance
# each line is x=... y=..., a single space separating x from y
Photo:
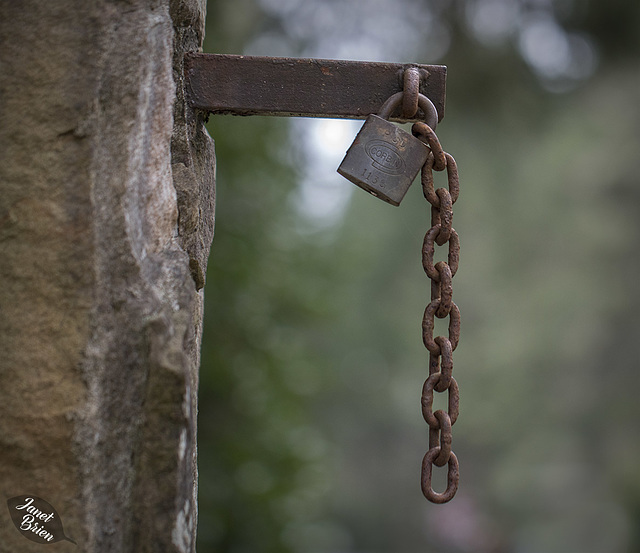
x=251 y=85
x=440 y=348
x=384 y=160
x=411 y=92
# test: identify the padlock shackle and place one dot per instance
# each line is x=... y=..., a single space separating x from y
x=423 y=102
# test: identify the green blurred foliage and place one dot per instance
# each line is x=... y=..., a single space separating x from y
x=310 y=432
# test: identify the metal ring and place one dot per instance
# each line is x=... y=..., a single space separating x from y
x=445 y=216
x=426 y=133
x=444 y=438
x=428 y=324
x=452 y=180
x=445 y=289
x=453 y=403
x=453 y=477
x=446 y=364
x=411 y=92
x=429 y=250
x=430 y=111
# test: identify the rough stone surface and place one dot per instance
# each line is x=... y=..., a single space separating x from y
x=106 y=218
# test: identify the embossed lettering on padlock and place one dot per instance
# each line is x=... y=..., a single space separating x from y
x=384 y=159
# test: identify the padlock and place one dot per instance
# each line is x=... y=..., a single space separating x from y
x=384 y=159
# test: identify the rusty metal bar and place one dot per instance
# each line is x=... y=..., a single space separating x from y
x=250 y=85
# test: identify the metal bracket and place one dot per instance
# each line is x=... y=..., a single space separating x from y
x=302 y=87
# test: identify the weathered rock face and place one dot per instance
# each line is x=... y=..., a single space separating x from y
x=106 y=219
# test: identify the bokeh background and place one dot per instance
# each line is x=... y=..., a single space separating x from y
x=310 y=430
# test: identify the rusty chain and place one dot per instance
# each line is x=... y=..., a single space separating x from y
x=359 y=163
x=440 y=348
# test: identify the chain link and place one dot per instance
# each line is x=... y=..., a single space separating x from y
x=440 y=348
x=410 y=92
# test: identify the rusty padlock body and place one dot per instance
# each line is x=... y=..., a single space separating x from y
x=384 y=159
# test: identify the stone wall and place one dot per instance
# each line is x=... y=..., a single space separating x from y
x=106 y=218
